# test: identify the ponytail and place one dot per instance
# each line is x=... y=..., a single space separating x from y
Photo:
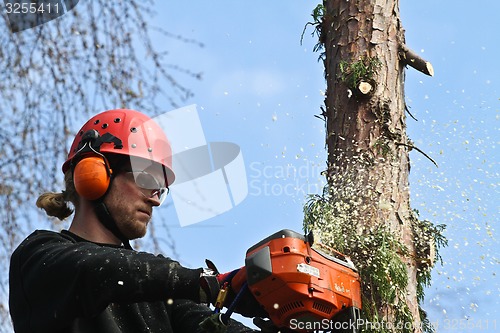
x=57 y=204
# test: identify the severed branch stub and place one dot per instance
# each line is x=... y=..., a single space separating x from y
x=412 y=59
x=365 y=87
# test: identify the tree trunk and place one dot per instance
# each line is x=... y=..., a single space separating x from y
x=368 y=162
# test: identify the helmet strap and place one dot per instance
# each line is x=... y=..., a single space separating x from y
x=104 y=216
x=91 y=143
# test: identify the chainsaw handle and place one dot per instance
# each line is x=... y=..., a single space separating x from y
x=225 y=316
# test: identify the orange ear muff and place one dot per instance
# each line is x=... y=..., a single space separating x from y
x=91 y=177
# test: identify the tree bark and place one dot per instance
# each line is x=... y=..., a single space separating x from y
x=364 y=134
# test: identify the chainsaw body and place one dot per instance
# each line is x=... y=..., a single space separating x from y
x=298 y=285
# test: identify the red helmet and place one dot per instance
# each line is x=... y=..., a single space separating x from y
x=140 y=137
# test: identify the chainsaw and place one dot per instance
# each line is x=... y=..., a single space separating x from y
x=301 y=287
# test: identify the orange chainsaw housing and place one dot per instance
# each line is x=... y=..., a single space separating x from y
x=293 y=281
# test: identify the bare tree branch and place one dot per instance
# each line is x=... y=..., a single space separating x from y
x=97 y=56
x=412 y=59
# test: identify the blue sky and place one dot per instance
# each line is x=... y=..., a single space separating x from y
x=261 y=89
x=253 y=96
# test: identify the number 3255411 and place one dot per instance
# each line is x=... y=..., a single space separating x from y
x=32 y=8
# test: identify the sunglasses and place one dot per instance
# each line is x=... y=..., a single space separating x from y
x=147 y=181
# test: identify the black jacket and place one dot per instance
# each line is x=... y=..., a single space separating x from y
x=60 y=282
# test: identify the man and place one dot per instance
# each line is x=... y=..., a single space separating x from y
x=88 y=278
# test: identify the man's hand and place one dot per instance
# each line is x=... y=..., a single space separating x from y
x=246 y=304
x=209 y=286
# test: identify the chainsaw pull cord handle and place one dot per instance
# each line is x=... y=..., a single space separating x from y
x=225 y=316
x=218 y=322
x=225 y=284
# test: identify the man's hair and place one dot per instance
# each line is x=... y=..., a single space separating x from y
x=57 y=204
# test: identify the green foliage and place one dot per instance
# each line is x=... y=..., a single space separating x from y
x=427 y=235
x=382 y=147
x=381 y=262
x=378 y=255
x=317 y=14
x=363 y=69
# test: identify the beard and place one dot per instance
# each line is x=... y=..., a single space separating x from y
x=129 y=207
x=131 y=219
x=132 y=228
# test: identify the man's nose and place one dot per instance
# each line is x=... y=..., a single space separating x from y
x=154 y=198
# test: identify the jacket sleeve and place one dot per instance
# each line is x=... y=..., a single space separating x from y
x=187 y=316
x=54 y=277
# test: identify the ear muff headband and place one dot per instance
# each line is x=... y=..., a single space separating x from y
x=91 y=177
